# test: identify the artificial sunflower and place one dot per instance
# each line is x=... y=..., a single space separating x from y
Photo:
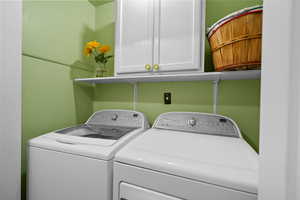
x=93 y=44
x=87 y=51
x=99 y=52
x=104 y=49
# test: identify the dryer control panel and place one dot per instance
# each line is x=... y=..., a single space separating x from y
x=202 y=123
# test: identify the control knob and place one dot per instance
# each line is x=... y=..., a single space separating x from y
x=114 y=117
x=192 y=122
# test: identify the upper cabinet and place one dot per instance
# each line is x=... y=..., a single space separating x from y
x=159 y=36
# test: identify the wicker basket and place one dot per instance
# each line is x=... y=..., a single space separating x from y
x=236 y=41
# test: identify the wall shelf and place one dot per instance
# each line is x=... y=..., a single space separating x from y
x=215 y=77
x=206 y=76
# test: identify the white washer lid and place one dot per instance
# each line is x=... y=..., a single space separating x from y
x=88 y=147
x=225 y=161
x=70 y=140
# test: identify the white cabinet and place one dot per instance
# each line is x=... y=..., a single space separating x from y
x=159 y=36
x=134 y=35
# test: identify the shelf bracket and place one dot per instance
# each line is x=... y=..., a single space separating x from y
x=215 y=95
x=135 y=95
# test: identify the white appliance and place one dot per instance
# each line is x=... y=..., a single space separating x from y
x=190 y=156
x=76 y=163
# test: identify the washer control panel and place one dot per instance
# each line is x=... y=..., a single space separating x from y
x=124 y=118
x=201 y=123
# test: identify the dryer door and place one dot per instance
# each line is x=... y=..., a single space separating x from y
x=131 y=192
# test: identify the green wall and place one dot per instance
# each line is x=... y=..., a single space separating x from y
x=53 y=37
x=237 y=99
x=105 y=29
x=54 y=34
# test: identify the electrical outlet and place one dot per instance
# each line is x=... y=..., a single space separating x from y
x=167 y=98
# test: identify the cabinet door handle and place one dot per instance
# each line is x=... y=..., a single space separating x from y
x=148 y=67
x=156 y=67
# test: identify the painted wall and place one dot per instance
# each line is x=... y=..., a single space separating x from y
x=238 y=99
x=53 y=37
x=105 y=29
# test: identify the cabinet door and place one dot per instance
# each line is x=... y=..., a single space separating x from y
x=134 y=35
x=179 y=34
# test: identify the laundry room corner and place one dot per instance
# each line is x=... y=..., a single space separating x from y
x=53 y=36
x=149 y=100
x=238 y=99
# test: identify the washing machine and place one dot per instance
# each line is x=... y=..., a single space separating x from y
x=76 y=163
x=187 y=156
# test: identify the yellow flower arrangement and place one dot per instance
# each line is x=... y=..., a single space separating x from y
x=87 y=51
x=104 y=49
x=93 y=44
x=99 y=53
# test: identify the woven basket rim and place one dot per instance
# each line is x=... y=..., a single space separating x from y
x=233 y=16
